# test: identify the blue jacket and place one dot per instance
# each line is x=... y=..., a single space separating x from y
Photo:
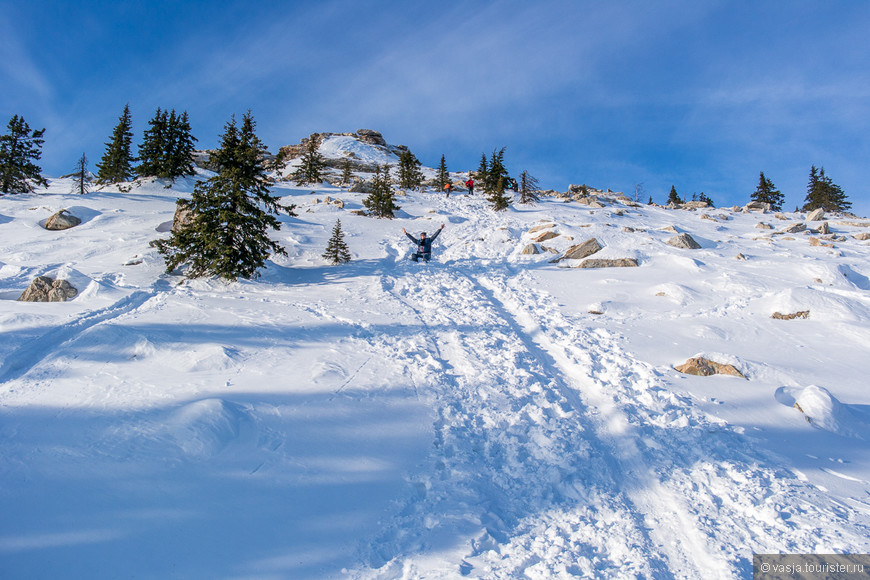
x=424 y=246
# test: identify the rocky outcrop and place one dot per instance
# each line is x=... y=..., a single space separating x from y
x=704 y=367
x=45 y=289
x=608 y=263
x=538 y=228
x=763 y=226
x=580 y=251
x=792 y=316
x=793 y=229
x=761 y=206
x=62 y=220
x=684 y=241
x=862 y=236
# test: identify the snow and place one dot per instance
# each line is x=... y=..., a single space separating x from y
x=486 y=415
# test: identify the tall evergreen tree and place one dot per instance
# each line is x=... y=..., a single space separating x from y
x=824 y=193
x=346 y=173
x=336 y=249
x=232 y=212
x=155 y=146
x=81 y=176
x=179 y=147
x=483 y=168
x=497 y=196
x=311 y=169
x=496 y=172
x=19 y=149
x=410 y=176
x=528 y=188
x=673 y=197
x=381 y=201
x=116 y=165
x=766 y=192
x=443 y=176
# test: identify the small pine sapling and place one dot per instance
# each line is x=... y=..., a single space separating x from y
x=336 y=249
x=81 y=176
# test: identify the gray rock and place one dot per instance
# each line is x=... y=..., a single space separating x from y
x=763 y=226
x=816 y=215
x=182 y=218
x=360 y=186
x=609 y=263
x=684 y=241
x=370 y=136
x=530 y=250
x=45 y=289
x=799 y=227
x=761 y=206
x=862 y=236
x=580 y=251
x=62 y=220
x=824 y=228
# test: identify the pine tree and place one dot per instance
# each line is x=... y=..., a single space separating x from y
x=180 y=147
x=704 y=199
x=154 y=147
x=346 y=173
x=233 y=212
x=824 y=193
x=19 y=148
x=81 y=176
x=443 y=176
x=483 y=168
x=336 y=249
x=528 y=189
x=766 y=192
x=496 y=172
x=380 y=201
x=497 y=197
x=673 y=197
x=116 y=165
x=311 y=169
x=650 y=202
x=410 y=176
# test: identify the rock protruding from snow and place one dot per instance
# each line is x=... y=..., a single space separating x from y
x=761 y=206
x=794 y=229
x=183 y=217
x=684 y=241
x=792 y=316
x=609 y=263
x=816 y=215
x=530 y=250
x=580 y=251
x=541 y=227
x=45 y=289
x=62 y=220
x=704 y=367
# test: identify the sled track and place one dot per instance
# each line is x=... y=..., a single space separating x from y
x=549 y=434
x=33 y=352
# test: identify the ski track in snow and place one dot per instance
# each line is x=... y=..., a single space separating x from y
x=557 y=454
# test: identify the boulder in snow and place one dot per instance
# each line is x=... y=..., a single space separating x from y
x=45 y=289
x=580 y=251
x=530 y=250
x=543 y=237
x=822 y=410
x=704 y=367
x=816 y=215
x=684 y=241
x=793 y=229
x=608 y=263
x=62 y=220
x=862 y=236
x=538 y=228
x=792 y=316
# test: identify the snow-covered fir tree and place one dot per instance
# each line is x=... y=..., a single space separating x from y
x=116 y=165
x=766 y=192
x=152 y=150
x=528 y=188
x=311 y=168
x=410 y=176
x=167 y=147
x=336 y=249
x=381 y=202
x=233 y=213
x=824 y=193
x=81 y=176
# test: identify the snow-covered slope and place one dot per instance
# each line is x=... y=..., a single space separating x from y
x=489 y=414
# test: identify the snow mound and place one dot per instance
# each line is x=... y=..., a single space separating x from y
x=203 y=428
x=342 y=146
x=824 y=411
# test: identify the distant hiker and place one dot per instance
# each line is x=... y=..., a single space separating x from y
x=424 y=244
x=448 y=187
x=470 y=185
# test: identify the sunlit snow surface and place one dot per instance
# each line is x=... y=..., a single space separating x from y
x=464 y=418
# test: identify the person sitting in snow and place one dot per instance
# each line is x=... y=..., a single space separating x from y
x=424 y=244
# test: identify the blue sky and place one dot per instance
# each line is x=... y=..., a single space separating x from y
x=699 y=95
